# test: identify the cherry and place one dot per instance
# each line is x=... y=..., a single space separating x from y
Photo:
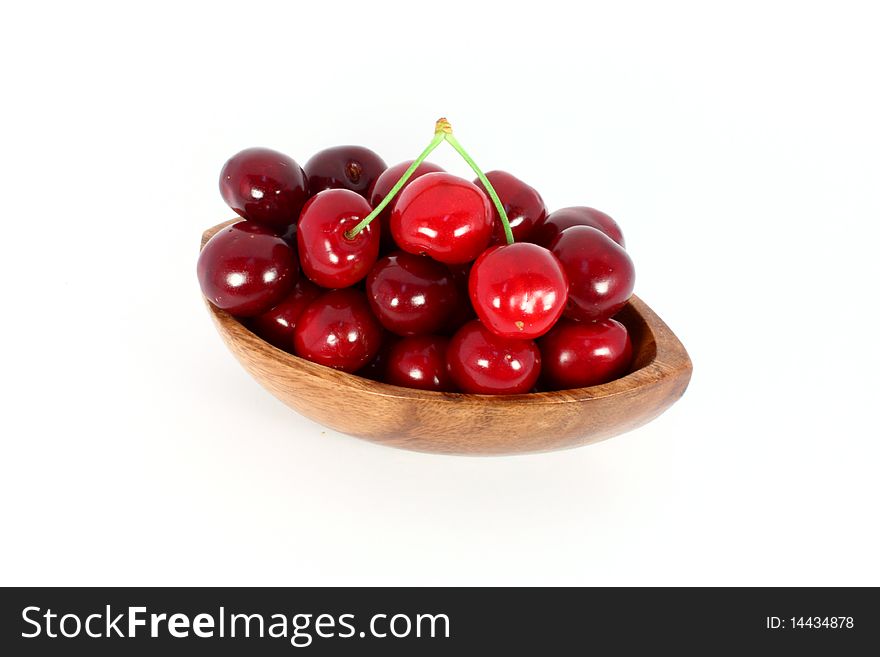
x=245 y=269
x=328 y=256
x=523 y=205
x=277 y=324
x=344 y=167
x=460 y=273
x=411 y=294
x=289 y=235
x=338 y=330
x=556 y=222
x=264 y=186
x=419 y=362
x=482 y=362
x=519 y=290
x=443 y=216
x=600 y=272
x=580 y=354
x=375 y=369
x=463 y=311
x=383 y=186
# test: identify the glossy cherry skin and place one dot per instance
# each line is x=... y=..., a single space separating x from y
x=264 y=186
x=581 y=354
x=518 y=290
x=523 y=205
x=245 y=269
x=328 y=257
x=600 y=273
x=277 y=324
x=383 y=185
x=411 y=294
x=344 y=167
x=338 y=330
x=443 y=216
x=546 y=231
x=419 y=362
x=481 y=362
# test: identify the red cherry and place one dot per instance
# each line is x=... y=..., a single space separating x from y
x=443 y=216
x=411 y=294
x=482 y=362
x=375 y=369
x=328 y=257
x=463 y=311
x=581 y=354
x=556 y=222
x=519 y=290
x=460 y=315
x=245 y=269
x=264 y=186
x=523 y=205
x=289 y=235
x=338 y=330
x=460 y=273
x=344 y=167
x=277 y=324
x=383 y=186
x=600 y=273
x=419 y=362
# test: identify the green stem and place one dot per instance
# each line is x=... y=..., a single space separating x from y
x=439 y=135
x=442 y=132
x=508 y=233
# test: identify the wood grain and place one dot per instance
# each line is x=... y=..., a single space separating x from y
x=452 y=423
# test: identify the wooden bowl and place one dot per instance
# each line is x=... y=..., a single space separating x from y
x=453 y=423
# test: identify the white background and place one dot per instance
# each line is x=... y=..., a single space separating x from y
x=738 y=144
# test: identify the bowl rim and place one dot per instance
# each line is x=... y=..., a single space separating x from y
x=669 y=358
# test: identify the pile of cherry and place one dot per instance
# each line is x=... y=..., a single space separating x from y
x=433 y=293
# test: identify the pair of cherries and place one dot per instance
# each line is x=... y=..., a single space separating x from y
x=401 y=308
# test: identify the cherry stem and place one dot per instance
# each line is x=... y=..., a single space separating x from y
x=505 y=222
x=442 y=132
x=439 y=135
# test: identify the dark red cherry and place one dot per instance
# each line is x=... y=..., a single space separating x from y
x=460 y=273
x=556 y=222
x=518 y=290
x=277 y=324
x=328 y=257
x=580 y=354
x=264 y=186
x=344 y=167
x=411 y=294
x=523 y=205
x=375 y=369
x=419 y=362
x=600 y=273
x=443 y=216
x=338 y=330
x=463 y=311
x=245 y=269
x=460 y=315
x=289 y=235
x=482 y=362
x=383 y=186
